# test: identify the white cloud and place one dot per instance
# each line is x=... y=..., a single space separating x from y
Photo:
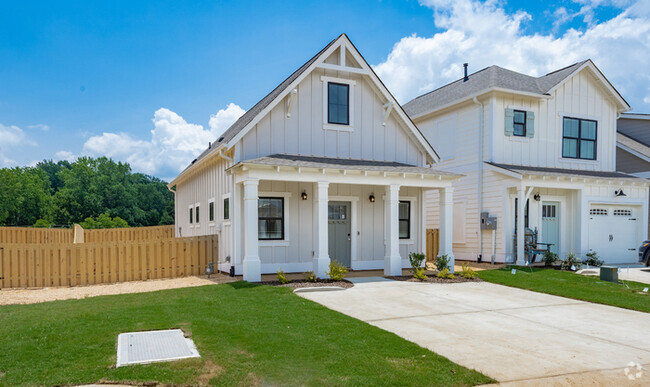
x=12 y=139
x=42 y=127
x=173 y=145
x=483 y=34
x=65 y=155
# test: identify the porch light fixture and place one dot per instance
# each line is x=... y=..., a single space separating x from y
x=371 y=198
x=619 y=193
x=537 y=196
x=303 y=195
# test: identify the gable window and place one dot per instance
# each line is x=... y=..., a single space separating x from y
x=270 y=213
x=579 y=138
x=338 y=103
x=211 y=211
x=226 y=208
x=404 y=219
x=519 y=123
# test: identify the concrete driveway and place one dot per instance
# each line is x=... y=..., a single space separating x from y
x=638 y=274
x=510 y=334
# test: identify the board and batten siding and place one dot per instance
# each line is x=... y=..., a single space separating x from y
x=579 y=97
x=303 y=132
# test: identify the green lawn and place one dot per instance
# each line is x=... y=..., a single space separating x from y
x=571 y=285
x=246 y=334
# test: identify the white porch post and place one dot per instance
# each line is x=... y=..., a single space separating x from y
x=521 y=205
x=321 y=259
x=252 y=264
x=447 y=224
x=392 y=259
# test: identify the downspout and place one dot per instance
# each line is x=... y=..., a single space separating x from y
x=480 y=175
x=225 y=157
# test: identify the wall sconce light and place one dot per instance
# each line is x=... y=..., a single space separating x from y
x=619 y=192
x=303 y=195
x=371 y=198
x=537 y=196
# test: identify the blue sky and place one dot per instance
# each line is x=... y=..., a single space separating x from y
x=139 y=81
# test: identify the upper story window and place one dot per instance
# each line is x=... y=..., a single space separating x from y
x=519 y=123
x=211 y=210
x=191 y=215
x=226 y=208
x=338 y=103
x=270 y=212
x=196 y=213
x=579 y=138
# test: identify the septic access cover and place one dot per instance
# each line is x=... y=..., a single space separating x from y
x=154 y=346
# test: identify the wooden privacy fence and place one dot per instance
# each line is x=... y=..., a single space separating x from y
x=129 y=234
x=433 y=244
x=35 y=235
x=67 y=264
x=58 y=235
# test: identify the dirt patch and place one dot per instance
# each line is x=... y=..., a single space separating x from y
x=431 y=278
x=210 y=371
x=304 y=284
x=34 y=296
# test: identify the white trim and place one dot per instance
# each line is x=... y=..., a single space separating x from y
x=197 y=220
x=635 y=116
x=223 y=198
x=633 y=153
x=286 y=241
x=354 y=201
x=412 y=200
x=354 y=70
x=326 y=124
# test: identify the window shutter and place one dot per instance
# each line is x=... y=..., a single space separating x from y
x=510 y=122
x=530 y=124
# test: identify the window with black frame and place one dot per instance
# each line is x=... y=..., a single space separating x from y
x=579 y=138
x=191 y=215
x=338 y=103
x=270 y=213
x=519 y=123
x=404 y=220
x=211 y=210
x=226 y=208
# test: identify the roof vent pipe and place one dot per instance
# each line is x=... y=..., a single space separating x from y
x=466 y=78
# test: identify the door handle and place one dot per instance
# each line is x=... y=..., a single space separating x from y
x=349 y=237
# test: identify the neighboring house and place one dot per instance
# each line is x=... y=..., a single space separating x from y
x=632 y=144
x=326 y=166
x=544 y=147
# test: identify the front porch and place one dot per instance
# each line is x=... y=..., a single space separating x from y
x=297 y=213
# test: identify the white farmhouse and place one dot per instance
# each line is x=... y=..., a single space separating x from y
x=326 y=166
x=538 y=153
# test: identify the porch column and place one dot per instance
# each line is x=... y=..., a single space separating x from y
x=521 y=205
x=252 y=264
x=447 y=224
x=321 y=259
x=392 y=259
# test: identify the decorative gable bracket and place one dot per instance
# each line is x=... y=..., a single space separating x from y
x=290 y=99
x=388 y=106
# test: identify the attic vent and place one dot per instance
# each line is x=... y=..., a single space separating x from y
x=194 y=161
x=220 y=139
x=466 y=77
x=210 y=145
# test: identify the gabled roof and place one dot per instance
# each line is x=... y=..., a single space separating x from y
x=496 y=78
x=633 y=146
x=544 y=171
x=246 y=121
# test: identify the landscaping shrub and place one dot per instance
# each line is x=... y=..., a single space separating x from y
x=442 y=262
x=282 y=278
x=310 y=276
x=592 y=259
x=549 y=258
x=444 y=273
x=337 y=271
x=571 y=260
x=467 y=271
x=416 y=260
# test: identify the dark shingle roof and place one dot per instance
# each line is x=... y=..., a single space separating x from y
x=333 y=162
x=489 y=77
x=525 y=170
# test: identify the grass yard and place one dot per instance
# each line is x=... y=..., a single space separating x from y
x=571 y=285
x=247 y=335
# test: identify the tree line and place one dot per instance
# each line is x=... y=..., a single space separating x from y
x=97 y=192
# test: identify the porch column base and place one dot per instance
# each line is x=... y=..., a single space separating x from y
x=252 y=269
x=393 y=265
x=321 y=266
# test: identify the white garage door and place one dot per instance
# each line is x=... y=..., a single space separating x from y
x=614 y=231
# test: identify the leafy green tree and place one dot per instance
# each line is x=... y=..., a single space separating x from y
x=52 y=170
x=24 y=196
x=103 y=221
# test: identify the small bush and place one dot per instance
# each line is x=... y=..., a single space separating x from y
x=337 y=271
x=593 y=260
x=282 y=278
x=43 y=223
x=467 y=271
x=445 y=273
x=549 y=258
x=310 y=276
x=442 y=262
x=419 y=274
x=571 y=260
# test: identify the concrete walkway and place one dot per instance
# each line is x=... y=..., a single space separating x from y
x=512 y=335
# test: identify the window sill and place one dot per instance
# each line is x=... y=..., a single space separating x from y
x=406 y=242
x=579 y=161
x=339 y=128
x=266 y=243
x=211 y=224
x=226 y=222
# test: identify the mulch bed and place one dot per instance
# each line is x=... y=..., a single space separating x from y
x=304 y=284
x=433 y=279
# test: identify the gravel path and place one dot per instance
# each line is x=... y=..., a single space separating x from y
x=33 y=296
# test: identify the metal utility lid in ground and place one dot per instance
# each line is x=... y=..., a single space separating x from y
x=154 y=346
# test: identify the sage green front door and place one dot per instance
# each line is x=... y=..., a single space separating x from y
x=338 y=215
x=551 y=224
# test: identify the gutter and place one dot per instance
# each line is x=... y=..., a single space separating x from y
x=480 y=174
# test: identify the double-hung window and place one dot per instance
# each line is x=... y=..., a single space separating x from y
x=579 y=138
x=404 y=219
x=270 y=213
x=519 y=123
x=338 y=103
